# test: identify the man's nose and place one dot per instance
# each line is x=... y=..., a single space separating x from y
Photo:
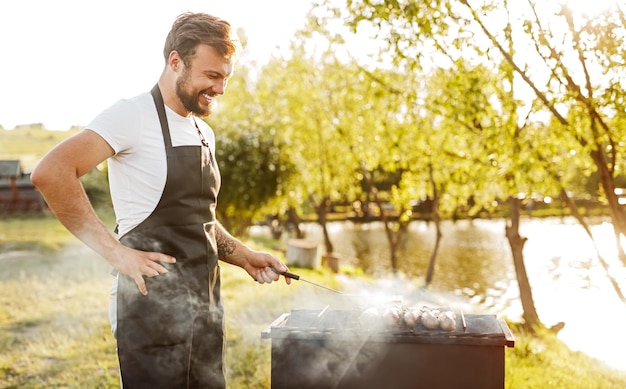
x=220 y=88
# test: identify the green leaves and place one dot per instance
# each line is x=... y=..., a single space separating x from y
x=497 y=97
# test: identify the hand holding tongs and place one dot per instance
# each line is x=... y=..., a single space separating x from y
x=297 y=277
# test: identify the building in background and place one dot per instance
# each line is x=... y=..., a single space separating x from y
x=17 y=192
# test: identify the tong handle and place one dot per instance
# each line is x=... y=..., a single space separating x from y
x=285 y=274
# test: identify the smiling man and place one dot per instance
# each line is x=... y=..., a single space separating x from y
x=164 y=180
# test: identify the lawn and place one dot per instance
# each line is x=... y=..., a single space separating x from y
x=54 y=329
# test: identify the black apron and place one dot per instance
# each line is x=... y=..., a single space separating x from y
x=174 y=336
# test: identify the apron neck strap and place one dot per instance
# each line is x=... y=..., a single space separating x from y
x=160 y=107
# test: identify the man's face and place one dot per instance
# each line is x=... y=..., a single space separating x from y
x=203 y=80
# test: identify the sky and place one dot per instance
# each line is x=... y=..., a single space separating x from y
x=64 y=61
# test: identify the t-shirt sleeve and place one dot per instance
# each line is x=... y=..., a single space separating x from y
x=118 y=125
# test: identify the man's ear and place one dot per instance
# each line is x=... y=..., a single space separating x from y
x=174 y=60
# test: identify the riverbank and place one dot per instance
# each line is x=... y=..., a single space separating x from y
x=54 y=329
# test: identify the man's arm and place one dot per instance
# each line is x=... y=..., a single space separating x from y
x=56 y=176
x=257 y=263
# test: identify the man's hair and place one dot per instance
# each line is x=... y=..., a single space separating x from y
x=191 y=29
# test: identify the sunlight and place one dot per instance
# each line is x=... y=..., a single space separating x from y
x=589 y=8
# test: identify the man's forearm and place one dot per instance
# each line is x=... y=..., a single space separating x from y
x=229 y=249
x=78 y=216
x=70 y=204
x=56 y=177
x=259 y=264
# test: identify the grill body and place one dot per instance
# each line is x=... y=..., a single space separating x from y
x=338 y=353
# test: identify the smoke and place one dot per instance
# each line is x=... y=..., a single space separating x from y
x=396 y=288
x=329 y=340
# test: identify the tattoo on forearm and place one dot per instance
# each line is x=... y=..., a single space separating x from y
x=225 y=245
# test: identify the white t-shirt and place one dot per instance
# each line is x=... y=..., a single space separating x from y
x=138 y=170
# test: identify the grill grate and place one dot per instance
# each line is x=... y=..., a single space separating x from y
x=303 y=323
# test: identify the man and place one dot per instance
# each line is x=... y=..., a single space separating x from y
x=164 y=180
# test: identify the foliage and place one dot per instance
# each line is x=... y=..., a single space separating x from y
x=311 y=125
x=570 y=65
x=252 y=173
x=96 y=184
x=501 y=72
x=251 y=157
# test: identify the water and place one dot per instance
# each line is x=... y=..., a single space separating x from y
x=475 y=266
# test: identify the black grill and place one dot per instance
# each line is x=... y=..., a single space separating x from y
x=333 y=349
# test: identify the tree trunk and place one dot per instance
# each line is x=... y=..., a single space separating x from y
x=322 y=212
x=517 y=242
x=430 y=273
x=392 y=238
x=276 y=227
x=294 y=219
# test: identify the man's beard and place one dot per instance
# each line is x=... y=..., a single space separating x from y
x=190 y=100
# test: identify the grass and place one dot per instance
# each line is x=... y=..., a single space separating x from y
x=53 y=321
x=29 y=144
x=54 y=329
x=33 y=232
x=542 y=361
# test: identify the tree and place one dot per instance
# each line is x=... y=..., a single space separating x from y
x=311 y=93
x=572 y=64
x=476 y=102
x=584 y=60
x=251 y=156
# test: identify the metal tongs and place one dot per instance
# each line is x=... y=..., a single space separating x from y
x=298 y=278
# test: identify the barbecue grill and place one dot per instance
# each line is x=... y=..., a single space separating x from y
x=332 y=349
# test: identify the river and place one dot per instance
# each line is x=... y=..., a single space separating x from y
x=475 y=271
